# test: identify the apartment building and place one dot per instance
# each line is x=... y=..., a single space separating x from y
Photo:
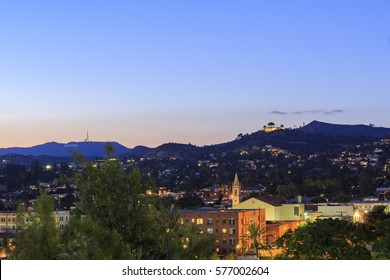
x=227 y=227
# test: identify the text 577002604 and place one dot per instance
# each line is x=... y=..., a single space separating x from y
x=234 y=270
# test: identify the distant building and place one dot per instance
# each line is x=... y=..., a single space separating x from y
x=364 y=207
x=8 y=220
x=329 y=211
x=270 y=127
x=226 y=226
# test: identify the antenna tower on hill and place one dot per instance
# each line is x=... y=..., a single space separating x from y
x=87 y=139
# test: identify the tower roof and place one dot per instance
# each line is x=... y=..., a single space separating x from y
x=236 y=181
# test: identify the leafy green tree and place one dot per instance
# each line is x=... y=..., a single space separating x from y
x=384 y=239
x=38 y=237
x=117 y=201
x=324 y=239
x=85 y=239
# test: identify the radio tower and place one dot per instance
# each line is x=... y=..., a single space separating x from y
x=87 y=139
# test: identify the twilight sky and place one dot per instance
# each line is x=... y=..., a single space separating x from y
x=201 y=71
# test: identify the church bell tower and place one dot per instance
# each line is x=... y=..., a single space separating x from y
x=236 y=189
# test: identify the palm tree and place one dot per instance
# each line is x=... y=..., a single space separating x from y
x=255 y=240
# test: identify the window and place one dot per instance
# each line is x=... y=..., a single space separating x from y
x=181 y=221
x=224 y=221
x=296 y=210
x=224 y=230
x=232 y=221
x=3 y=219
x=232 y=231
x=232 y=241
x=199 y=221
x=216 y=230
x=209 y=221
x=61 y=219
x=210 y=231
x=224 y=241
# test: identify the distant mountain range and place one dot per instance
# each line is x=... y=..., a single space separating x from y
x=314 y=137
x=88 y=149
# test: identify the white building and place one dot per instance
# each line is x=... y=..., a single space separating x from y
x=275 y=210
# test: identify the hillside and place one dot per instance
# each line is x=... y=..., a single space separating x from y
x=316 y=137
x=88 y=149
x=316 y=127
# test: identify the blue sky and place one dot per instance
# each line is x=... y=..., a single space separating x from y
x=149 y=72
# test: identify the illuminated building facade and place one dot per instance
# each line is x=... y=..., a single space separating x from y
x=270 y=127
x=227 y=227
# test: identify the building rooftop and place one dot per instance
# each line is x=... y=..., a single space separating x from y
x=214 y=210
x=270 y=199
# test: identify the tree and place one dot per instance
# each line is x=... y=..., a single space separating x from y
x=117 y=201
x=85 y=239
x=255 y=240
x=195 y=246
x=190 y=201
x=324 y=239
x=38 y=237
x=384 y=239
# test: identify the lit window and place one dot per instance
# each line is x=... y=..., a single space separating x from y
x=199 y=221
x=224 y=230
x=232 y=231
x=210 y=231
